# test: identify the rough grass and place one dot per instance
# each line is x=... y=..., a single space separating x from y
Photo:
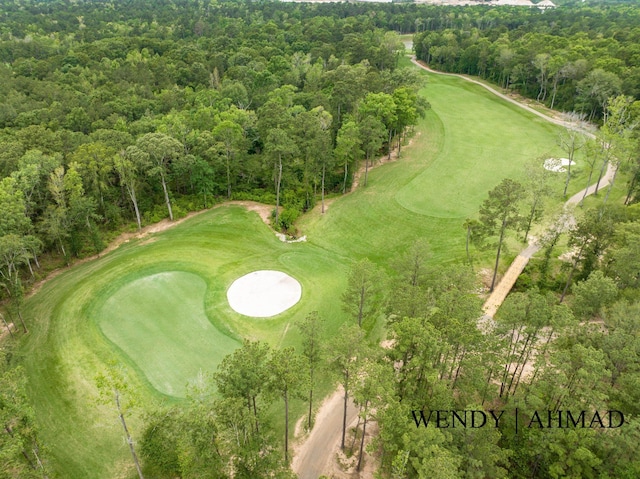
x=105 y=309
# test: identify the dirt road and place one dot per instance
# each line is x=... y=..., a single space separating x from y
x=312 y=458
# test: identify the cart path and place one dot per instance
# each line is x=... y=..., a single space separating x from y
x=500 y=292
x=313 y=456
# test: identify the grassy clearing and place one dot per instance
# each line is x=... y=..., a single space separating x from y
x=167 y=333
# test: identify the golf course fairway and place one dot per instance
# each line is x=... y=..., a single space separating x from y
x=158 y=305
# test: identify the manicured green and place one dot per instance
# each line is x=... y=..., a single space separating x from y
x=159 y=304
x=160 y=324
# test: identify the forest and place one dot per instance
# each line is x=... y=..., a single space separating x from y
x=116 y=115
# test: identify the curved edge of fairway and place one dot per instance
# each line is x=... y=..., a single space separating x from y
x=492 y=139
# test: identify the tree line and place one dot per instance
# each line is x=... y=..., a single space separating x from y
x=570 y=59
x=117 y=116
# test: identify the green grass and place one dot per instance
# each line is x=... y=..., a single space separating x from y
x=160 y=324
x=159 y=306
x=484 y=141
x=468 y=142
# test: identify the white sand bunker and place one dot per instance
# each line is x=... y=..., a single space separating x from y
x=263 y=294
x=558 y=164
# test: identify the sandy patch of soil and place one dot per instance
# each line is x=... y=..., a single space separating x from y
x=388 y=343
x=486 y=275
x=263 y=210
x=557 y=165
x=4 y=333
x=344 y=467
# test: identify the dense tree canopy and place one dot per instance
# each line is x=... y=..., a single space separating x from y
x=114 y=114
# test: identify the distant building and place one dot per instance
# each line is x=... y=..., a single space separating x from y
x=514 y=3
x=544 y=4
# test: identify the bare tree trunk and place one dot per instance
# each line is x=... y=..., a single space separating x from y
x=604 y=166
x=255 y=414
x=134 y=200
x=613 y=179
x=129 y=439
x=35 y=453
x=64 y=252
x=278 y=188
x=286 y=428
x=323 y=175
x=366 y=169
x=542 y=353
x=533 y=212
x=228 y=177
x=513 y=344
x=344 y=183
x=632 y=185
x=24 y=326
x=486 y=388
x=310 y=403
x=495 y=269
x=166 y=196
x=344 y=414
x=520 y=360
x=24 y=453
x=555 y=90
x=587 y=188
x=355 y=433
x=566 y=183
x=30 y=268
x=6 y=325
x=364 y=431
x=573 y=269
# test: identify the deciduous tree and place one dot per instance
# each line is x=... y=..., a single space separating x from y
x=287 y=380
x=114 y=389
x=162 y=150
x=344 y=354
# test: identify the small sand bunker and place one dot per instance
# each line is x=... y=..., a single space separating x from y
x=558 y=164
x=263 y=294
